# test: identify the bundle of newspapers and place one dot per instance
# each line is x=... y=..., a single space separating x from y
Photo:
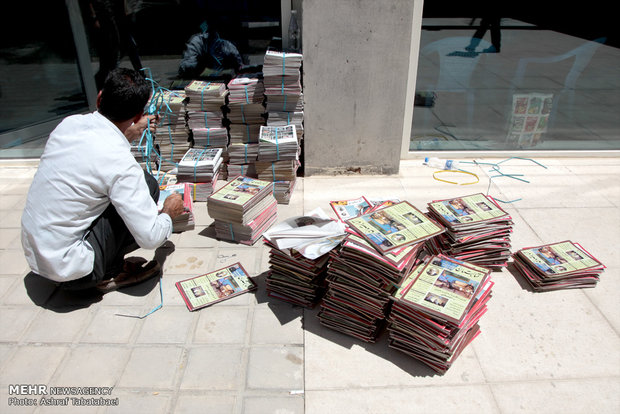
x=244 y=133
x=184 y=221
x=242 y=154
x=172 y=135
x=281 y=73
x=383 y=245
x=243 y=209
x=205 y=96
x=210 y=137
x=435 y=312
x=285 y=170
x=278 y=143
x=478 y=230
x=555 y=266
x=281 y=118
x=200 y=165
x=298 y=256
x=245 y=102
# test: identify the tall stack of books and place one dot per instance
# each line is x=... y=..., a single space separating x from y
x=382 y=247
x=243 y=209
x=436 y=311
x=298 y=257
x=246 y=115
x=283 y=90
x=200 y=166
x=278 y=159
x=478 y=230
x=172 y=136
x=555 y=266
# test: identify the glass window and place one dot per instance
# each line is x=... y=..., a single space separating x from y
x=501 y=80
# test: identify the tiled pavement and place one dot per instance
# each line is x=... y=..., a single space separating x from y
x=538 y=352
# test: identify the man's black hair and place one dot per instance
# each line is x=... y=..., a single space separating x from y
x=124 y=95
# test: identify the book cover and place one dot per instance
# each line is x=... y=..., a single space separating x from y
x=222 y=284
x=240 y=191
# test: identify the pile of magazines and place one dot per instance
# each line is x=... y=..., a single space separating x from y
x=298 y=256
x=184 y=221
x=436 y=311
x=563 y=265
x=200 y=165
x=478 y=230
x=243 y=209
x=382 y=246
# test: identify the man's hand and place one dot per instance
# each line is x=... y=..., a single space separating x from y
x=173 y=205
x=135 y=131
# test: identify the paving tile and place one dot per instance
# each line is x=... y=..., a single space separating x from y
x=13 y=262
x=70 y=326
x=6 y=284
x=152 y=368
x=10 y=238
x=14 y=321
x=190 y=261
x=588 y=395
x=437 y=399
x=550 y=335
x=10 y=406
x=221 y=325
x=170 y=324
x=139 y=402
x=274 y=404
x=32 y=364
x=211 y=403
x=276 y=367
x=198 y=238
x=335 y=360
x=23 y=292
x=107 y=327
x=12 y=202
x=277 y=324
x=213 y=368
x=246 y=255
x=92 y=366
x=11 y=219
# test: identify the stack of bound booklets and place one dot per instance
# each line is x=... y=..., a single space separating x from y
x=200 y=166
x=382 y=247
x=478 y=230
x=210 y=137
x=281 y=73
x=243 y=209
x=205 y=114
x=185 y=221
x=555 y=266
x=278 y=158
x=436 y=311
x=281 y=118
x=246 y=116
x=172 y=136
x=299 y=255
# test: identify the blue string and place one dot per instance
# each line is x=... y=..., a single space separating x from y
x=283 y=71
x=156 y=308
x=277 y=146
x=232 y=235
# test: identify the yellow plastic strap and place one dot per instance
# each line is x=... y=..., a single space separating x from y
x=455 y=171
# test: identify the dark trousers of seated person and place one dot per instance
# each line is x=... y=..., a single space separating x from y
x=111 y=240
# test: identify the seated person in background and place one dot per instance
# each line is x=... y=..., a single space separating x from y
x=208 y=50
x=90 y=203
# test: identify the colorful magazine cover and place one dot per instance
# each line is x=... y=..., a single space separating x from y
x=348 y=209
x=470 y=209
x=446 y=287
x=395 y=226
x=559 y=259
x=240 y=190
x=205 y=290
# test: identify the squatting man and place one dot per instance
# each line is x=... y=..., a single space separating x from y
x=90 y=202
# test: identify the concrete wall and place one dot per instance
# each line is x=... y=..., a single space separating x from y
x=356 y=73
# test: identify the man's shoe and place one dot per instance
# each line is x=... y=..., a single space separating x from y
x=131 y=275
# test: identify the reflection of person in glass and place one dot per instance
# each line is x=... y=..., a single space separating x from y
x=490 y=20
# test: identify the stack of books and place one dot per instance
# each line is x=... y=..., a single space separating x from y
x=243 y=209
x=555 y=266
x=281 y=72
x=436 y=311
x=278 y=157
x=299 y=253
x=172 y=136
x=281 y=118
x=382 y=247
x=210 y=137
x=246 y=116
x=200 y=166
x=286 y=103
x=185 y=221
x=205 y=96
x=478 y=230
